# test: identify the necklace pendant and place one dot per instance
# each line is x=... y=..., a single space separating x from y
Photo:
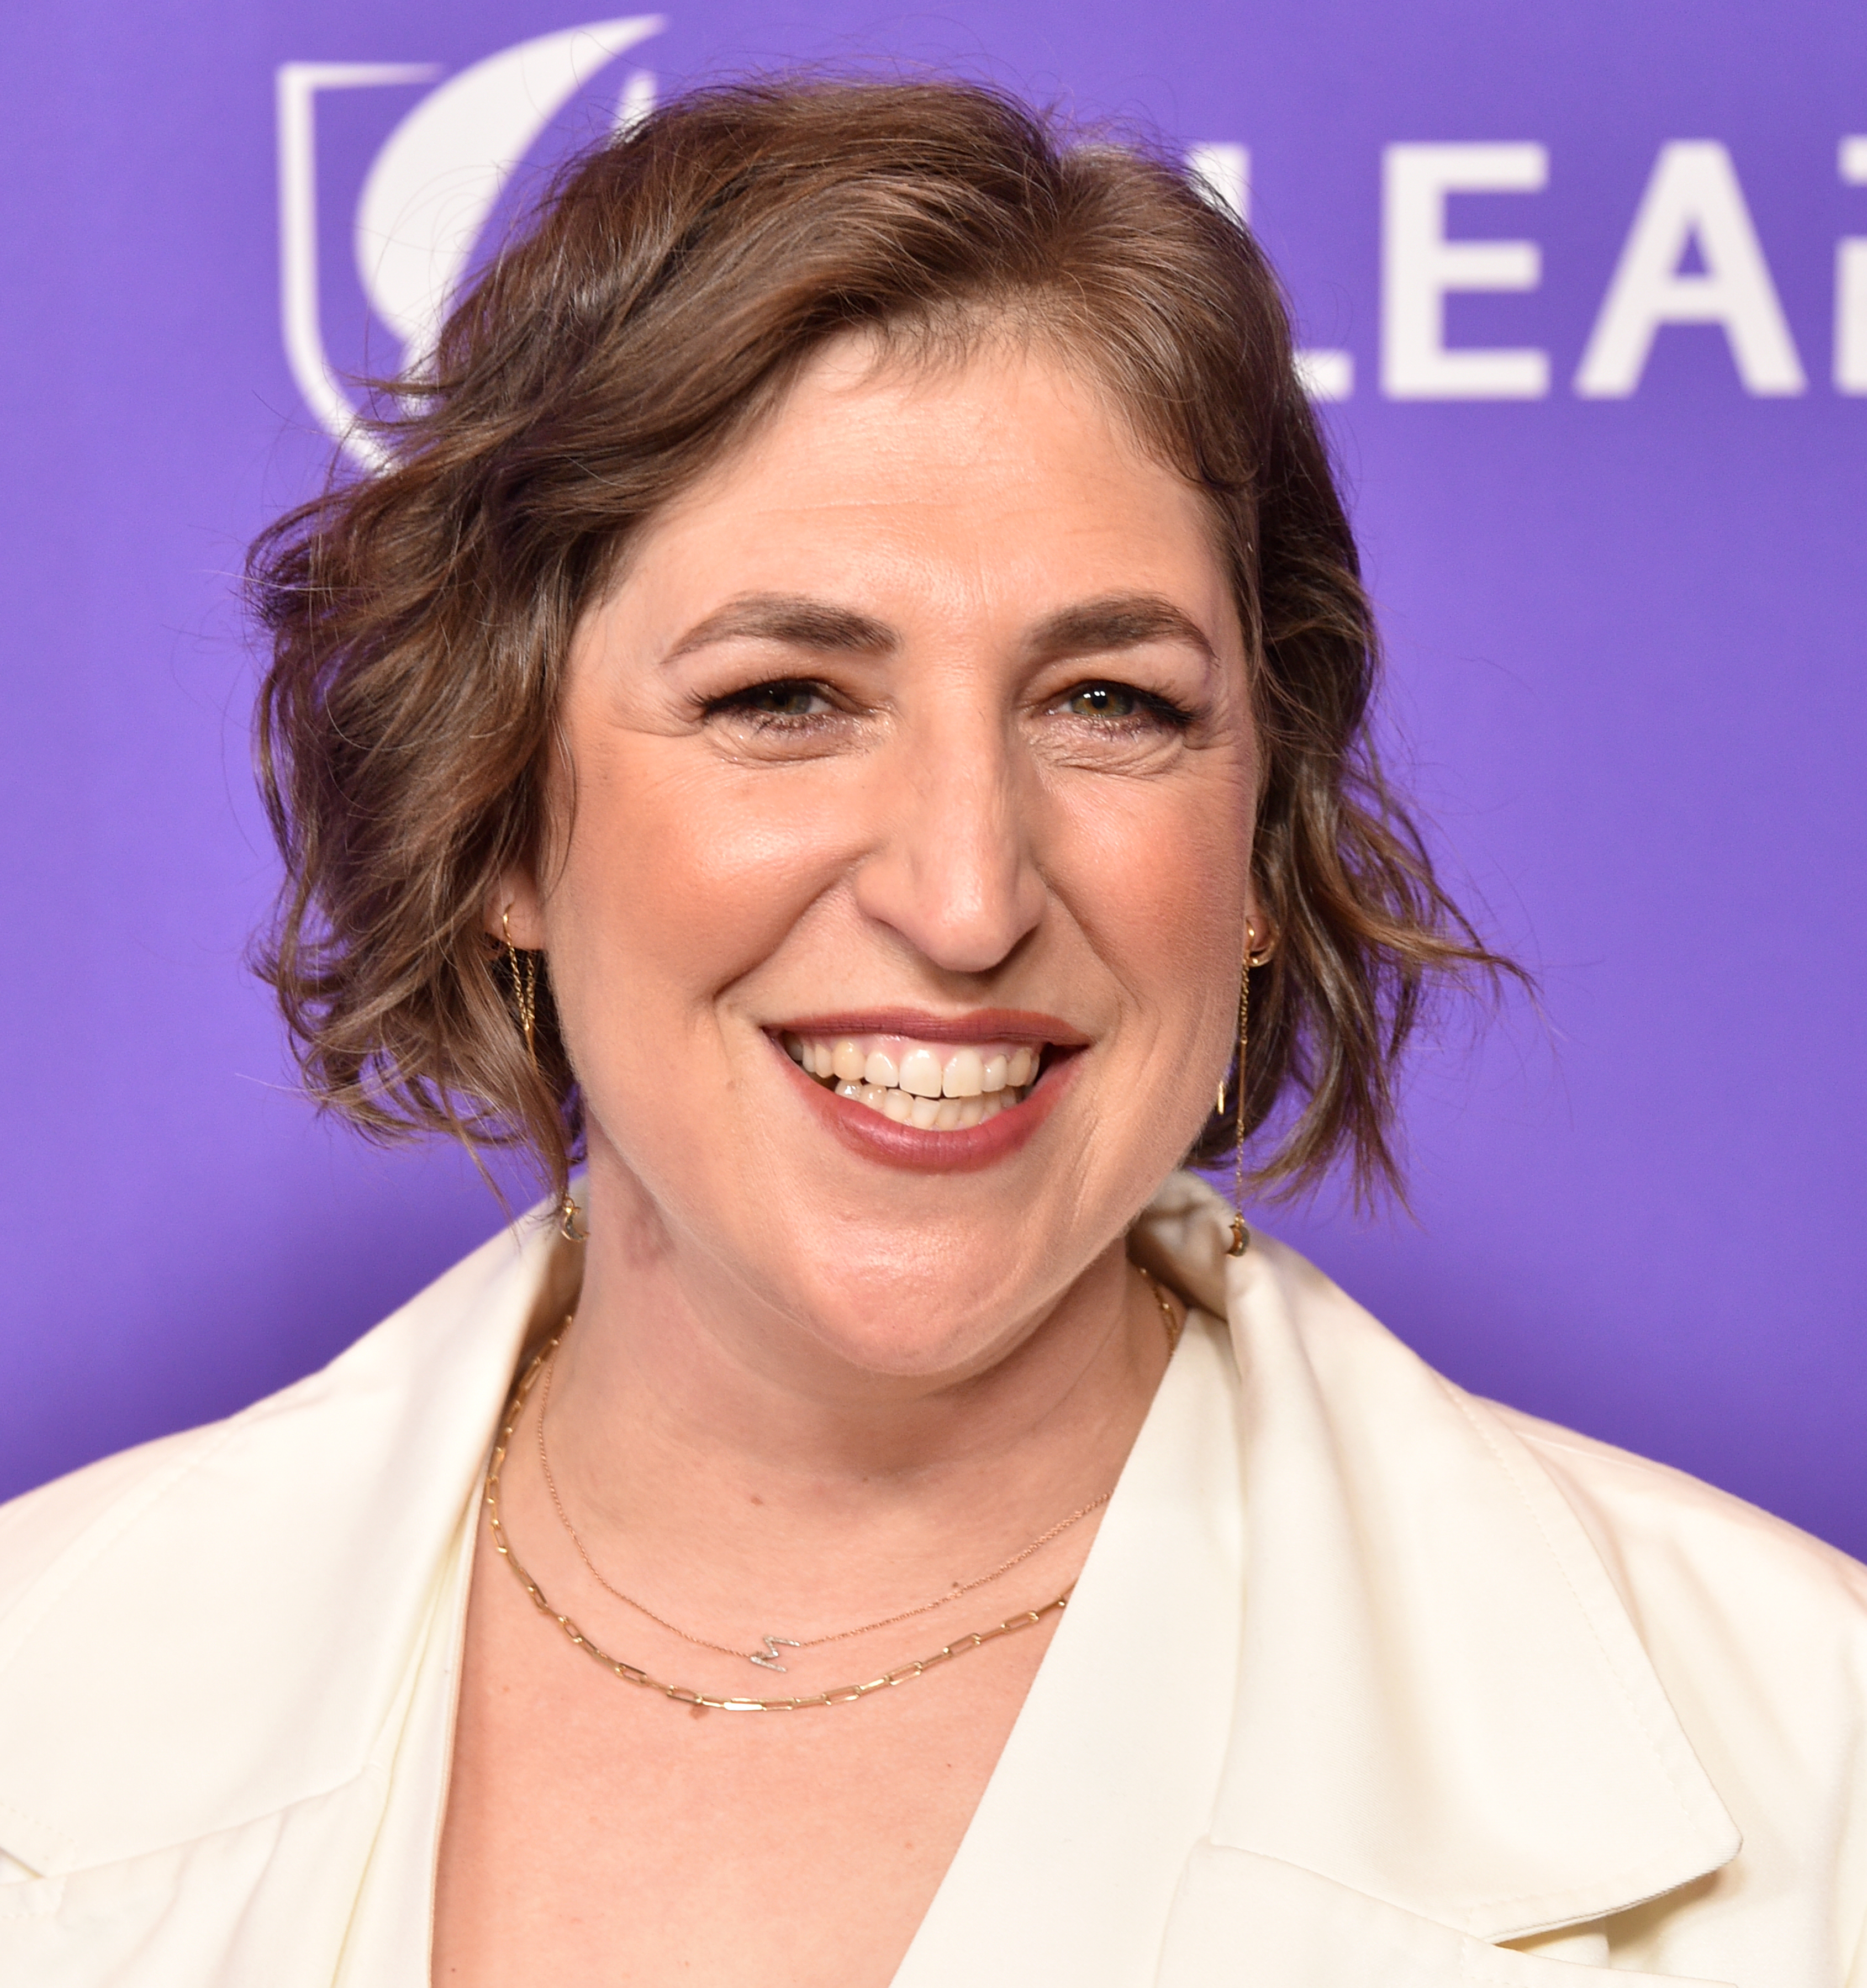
x=769 y=1661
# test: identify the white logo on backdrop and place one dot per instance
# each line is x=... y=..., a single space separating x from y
x=1692 y=254
x=432 y=188
x=430 y=191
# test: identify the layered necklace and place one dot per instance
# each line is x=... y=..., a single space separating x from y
x=766 y=1658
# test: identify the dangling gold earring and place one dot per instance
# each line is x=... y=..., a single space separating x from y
x=1241 y=1235
x=523 y=967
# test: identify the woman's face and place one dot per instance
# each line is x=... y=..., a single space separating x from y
x=896 y=916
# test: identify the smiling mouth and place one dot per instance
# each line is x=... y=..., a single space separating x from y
x=936 y=1087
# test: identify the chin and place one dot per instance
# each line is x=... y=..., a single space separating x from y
x=896 y=1314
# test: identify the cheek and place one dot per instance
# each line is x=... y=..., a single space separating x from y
x=680 y=878
x=1158 y=878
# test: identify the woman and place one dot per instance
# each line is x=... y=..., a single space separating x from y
x=847 y=716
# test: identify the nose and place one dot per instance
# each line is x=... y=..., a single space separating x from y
x=953 y=870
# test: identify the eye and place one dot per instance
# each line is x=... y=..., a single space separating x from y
x=1103 y=701
x=1119 y=704
x=782 y=718
x=789 y=697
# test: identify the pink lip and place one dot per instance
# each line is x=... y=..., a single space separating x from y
x=980 y=1025
x=875 y=1137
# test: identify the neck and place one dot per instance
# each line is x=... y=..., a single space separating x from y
x=717 y=1448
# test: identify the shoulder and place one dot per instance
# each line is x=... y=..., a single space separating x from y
x=1753 y=1627
x=272 y=1574
x=1645 y=1514
x=1758 y=1630
x=355 y=1414
x=41 y=1529
x=1676 y=1548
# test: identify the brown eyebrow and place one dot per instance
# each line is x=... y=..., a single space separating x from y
x=793 y=619
x=1122 y=621
x=1091 y=627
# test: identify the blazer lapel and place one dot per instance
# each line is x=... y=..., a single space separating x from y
x=1443 y=1705
x=1446 y=1732
x=1069 y=1867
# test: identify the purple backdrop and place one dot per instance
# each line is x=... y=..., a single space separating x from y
x=1618 y=552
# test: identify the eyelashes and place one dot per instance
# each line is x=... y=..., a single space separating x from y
x=1116 y=706
x=785 y=707
x=799 y=703
x=781 y=698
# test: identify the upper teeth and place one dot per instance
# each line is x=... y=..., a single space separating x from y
x=934 y=1086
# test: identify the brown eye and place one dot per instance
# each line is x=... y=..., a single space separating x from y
x=1103 y=701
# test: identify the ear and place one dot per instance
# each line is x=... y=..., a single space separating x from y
x=514 y=909
x=1260 y=934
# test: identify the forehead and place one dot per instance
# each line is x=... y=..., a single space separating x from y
x=992 y=399
x=1001 y=465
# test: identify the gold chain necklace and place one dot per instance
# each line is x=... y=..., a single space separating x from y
x=767 y=1658
x=838 y=1695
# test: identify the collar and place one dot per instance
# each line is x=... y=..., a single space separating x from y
x=1442 y=1702
x=1069 y=1867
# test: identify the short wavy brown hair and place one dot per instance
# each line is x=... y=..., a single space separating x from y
x=669 y=288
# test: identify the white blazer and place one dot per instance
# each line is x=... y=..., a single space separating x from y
x=1366 y=1684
